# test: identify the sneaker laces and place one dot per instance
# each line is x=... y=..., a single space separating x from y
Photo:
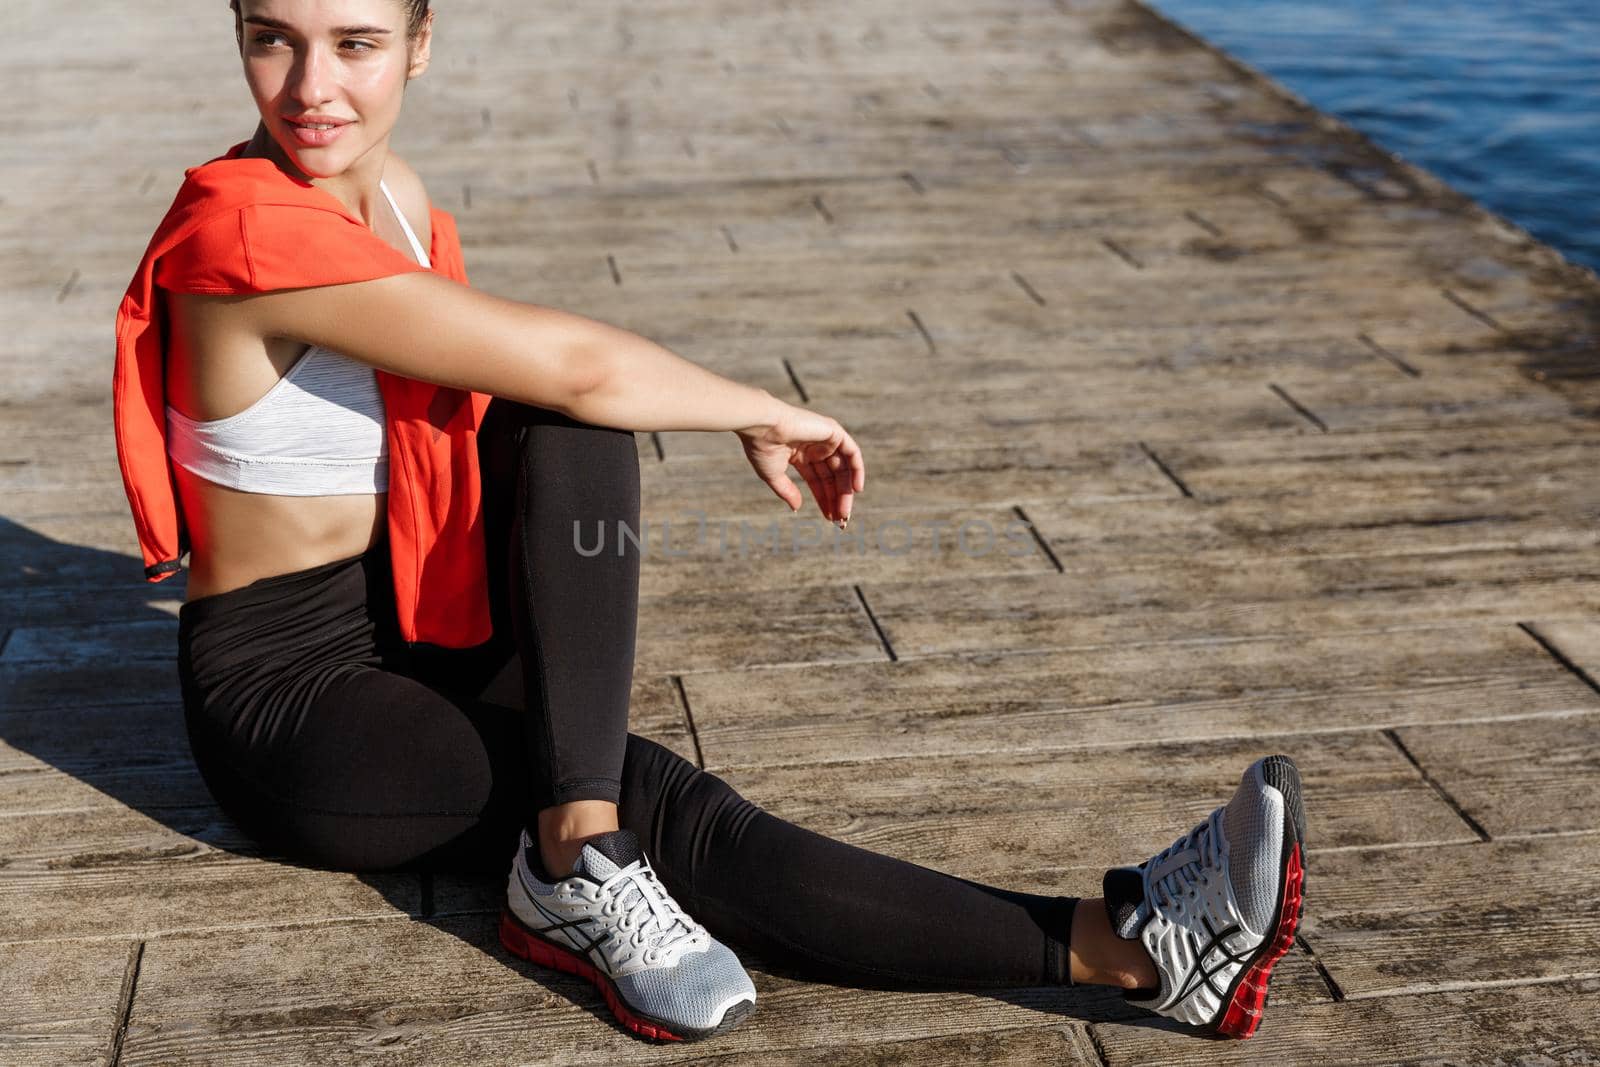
x=1180 y=869
x=658 y=925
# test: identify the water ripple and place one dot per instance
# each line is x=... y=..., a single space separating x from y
x=1500 y=100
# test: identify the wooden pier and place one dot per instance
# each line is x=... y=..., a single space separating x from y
x=1197 y=428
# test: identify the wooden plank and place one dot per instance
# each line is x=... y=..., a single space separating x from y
x=1408 y=920
x=1206 y=599
x=1023 y=1047
x=1550 y=454
x=1577 y=640
x=119 y=873
x=1037 y=419
x=702 y=473
x=697 y=631
x=48 y=605
x=1548 y=1023
x=899 y=477
x=1039 y=821
x=1332 y=523
x=979 y=703
x=685 y=553
x=142 y=641
x=1534 y=776
x=445 y=990
x=62 y=1001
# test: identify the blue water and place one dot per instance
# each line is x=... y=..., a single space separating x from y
x=1500 y=98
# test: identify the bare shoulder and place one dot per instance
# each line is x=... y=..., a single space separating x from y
x=412 y=195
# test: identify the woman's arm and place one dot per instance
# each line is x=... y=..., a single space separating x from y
x=432 y=329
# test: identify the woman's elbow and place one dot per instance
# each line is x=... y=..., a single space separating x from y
x=580 y=376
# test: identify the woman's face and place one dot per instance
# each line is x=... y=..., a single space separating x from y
x=329 y=75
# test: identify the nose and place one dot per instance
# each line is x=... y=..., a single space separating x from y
x=312 y=81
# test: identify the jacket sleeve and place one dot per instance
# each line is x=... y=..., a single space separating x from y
x=259 y=248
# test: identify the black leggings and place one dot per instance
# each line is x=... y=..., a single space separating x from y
x=323 y=735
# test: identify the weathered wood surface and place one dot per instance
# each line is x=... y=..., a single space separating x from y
x=1296 y=444
x=1548 y=1023
x=61 y=1000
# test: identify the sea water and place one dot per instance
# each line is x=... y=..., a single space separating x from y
x=1500 y=98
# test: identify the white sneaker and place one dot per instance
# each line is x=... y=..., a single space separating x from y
x=611 y=921
x=1218 y=908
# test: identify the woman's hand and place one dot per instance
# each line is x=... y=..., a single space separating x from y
x=818 y=447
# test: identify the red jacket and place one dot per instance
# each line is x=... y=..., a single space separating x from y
x=244 y=226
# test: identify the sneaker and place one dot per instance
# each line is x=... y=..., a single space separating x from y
x=611 y=921
x=1219 y=907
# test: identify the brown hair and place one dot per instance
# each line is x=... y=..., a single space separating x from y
x=416 y=12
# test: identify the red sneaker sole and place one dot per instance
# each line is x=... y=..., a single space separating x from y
x=1244 y=1011
x=525 y=944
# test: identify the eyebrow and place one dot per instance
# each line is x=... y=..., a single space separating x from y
x=341 y=31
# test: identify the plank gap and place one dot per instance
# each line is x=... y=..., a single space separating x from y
x=1044 y=546
x=822 y=209
x=911 y=180
x=1203 y=222
x=1334 y=989
x=130 y=982
x=1161 y=465
x=594 y=171
x=1481 y=316
x=1309 y=415
x=882 y=637
x=655 y=439
x=927 y=338
x=688 y=719
x=616 y=275
x=1270 y=196
x=1444 y=794
x=1384 y=354
x=1122 y=253
x=1526 y=627
x=1094 y=1034
x=727 y=235
x=71 y=284
x=794 y=379
x=1033 y=294
x=466 y=197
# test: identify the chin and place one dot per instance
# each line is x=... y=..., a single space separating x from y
x=317 y=165
x=320 y=162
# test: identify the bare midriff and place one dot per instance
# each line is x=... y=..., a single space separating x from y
x=237 y=538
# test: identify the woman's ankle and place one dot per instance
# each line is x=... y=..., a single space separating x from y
x=563 y=829
x=1100 y=957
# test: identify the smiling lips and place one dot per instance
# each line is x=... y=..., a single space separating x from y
x=315 y=131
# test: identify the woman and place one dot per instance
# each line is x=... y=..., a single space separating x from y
x=392 y=655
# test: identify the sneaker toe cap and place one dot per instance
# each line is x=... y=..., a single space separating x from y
x=693 y=995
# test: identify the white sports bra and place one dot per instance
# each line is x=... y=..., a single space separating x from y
x=319 y=431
